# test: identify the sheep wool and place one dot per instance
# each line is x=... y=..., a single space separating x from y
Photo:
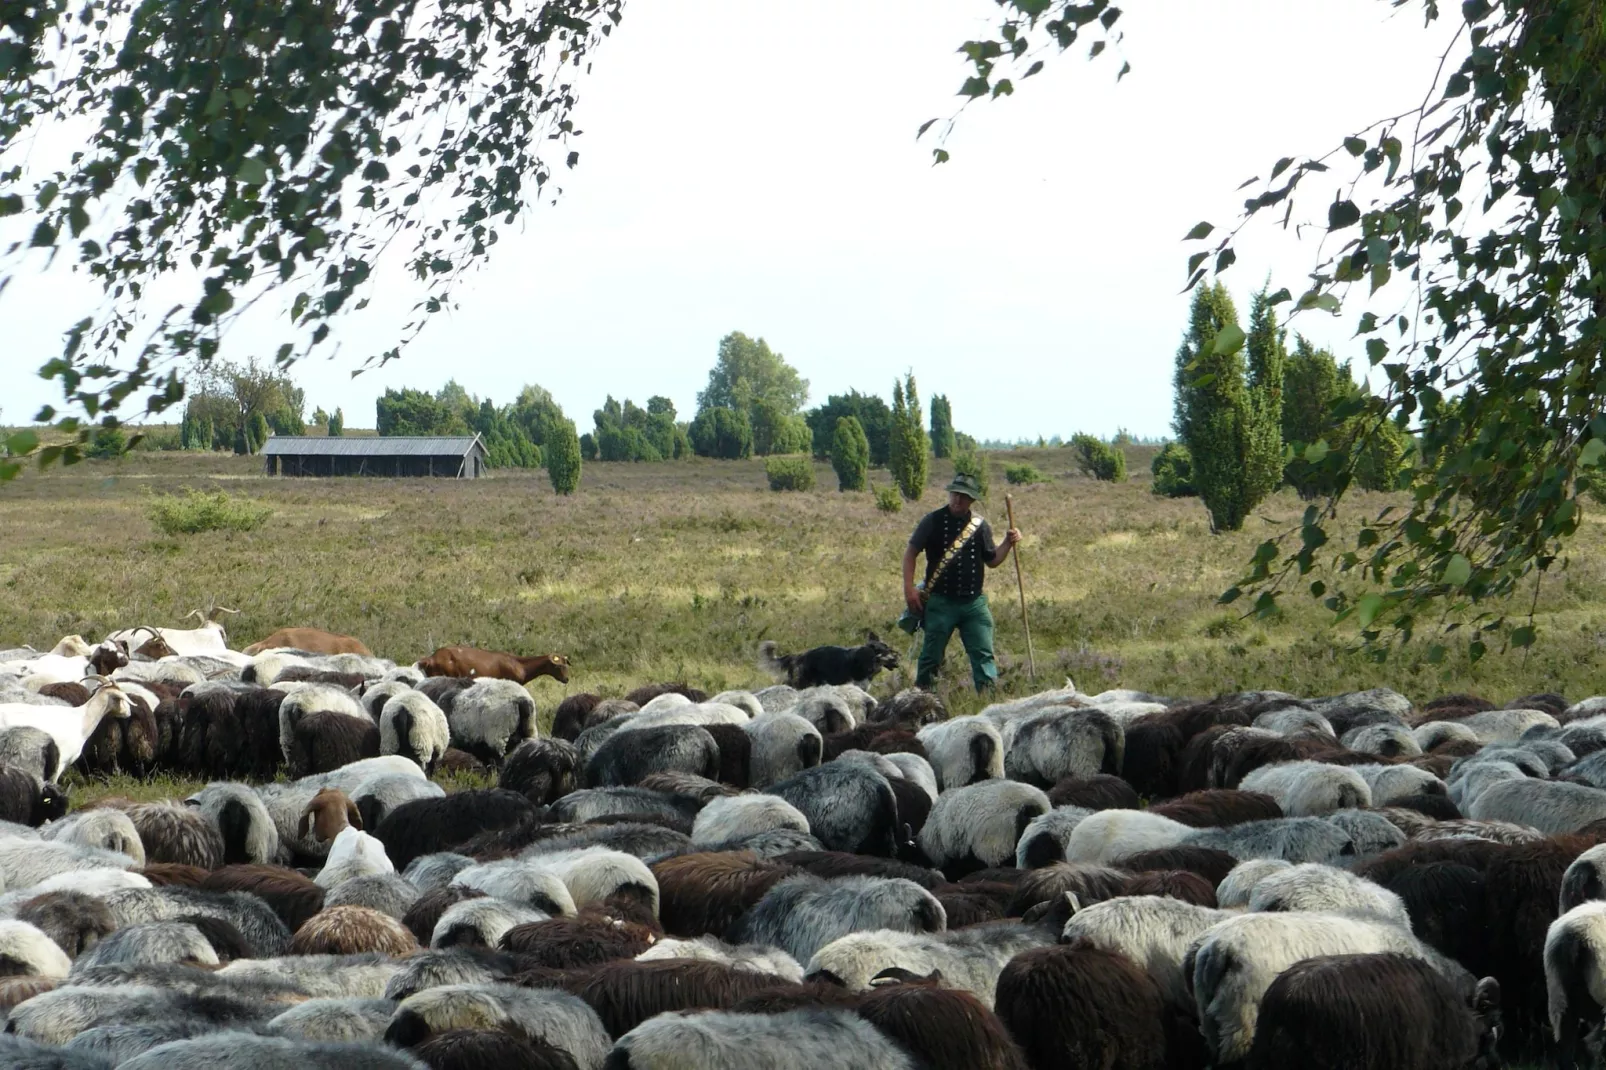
x=790 y=1040
x=413 y=726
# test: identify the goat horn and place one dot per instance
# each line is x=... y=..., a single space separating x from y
x=212 y=614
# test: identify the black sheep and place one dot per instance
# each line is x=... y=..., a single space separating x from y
x=1447 y=903
x=1218 y=808
x=324 y=740
x=944 y=1029
x=425 y=826
x=625 y=757
x=1207 y=862
x=542 y=770
x=1153 y=759
x=1101 y=791
x=1365 y=1012
x=1080 y=1006
x=475 y=1049
x=735 y=754
x=568 y=720
x=26 y=801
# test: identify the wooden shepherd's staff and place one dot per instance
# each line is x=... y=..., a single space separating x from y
x=1031 y=660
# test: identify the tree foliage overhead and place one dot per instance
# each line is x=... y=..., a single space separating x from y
x=1487 y=206
x=243 y=151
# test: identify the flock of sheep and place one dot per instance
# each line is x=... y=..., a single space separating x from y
x=782 y=878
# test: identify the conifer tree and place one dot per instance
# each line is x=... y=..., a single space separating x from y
x=1227 y=423
x=563 y=457
x=850 y=454
x=911 y=449
x=943 y=443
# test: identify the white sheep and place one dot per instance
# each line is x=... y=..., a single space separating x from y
x=1114 y=834
x=736 y=817
x=1152 y=931
x=353 y=854
x=1309 y=789
x=412 y=725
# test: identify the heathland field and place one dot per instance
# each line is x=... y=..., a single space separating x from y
x=676 y=571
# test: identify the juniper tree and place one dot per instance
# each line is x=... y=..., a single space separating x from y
x=562 y=455
x=910 y=458
x=850 y=454
x=943 y=443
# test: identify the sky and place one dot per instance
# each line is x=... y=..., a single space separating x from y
x=751 y=165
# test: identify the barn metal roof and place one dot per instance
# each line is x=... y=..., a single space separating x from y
x=371 y=446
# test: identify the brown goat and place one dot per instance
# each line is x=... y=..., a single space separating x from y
x=328 y=814
x=474 y=662
x=312 y=640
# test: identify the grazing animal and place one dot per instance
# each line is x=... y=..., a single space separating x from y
x=425 y=826
x=704 y=894
x=804 y=913
x=414 y=727
x=967 y=959
x=491 y=717
x=974 y=827
x=70 y=727
x=802 y=1039
x=542 y=770
x=1081 y=1005
x=326 y=815
x=312 y=640
x=830 y=665
x=1233 y=963
x=782 y=745
x=849 y=807
x=1368 y=1012
x=963 y=751
x=352 y=930
x=476 y=663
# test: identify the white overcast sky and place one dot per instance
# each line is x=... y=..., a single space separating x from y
x=751 y=165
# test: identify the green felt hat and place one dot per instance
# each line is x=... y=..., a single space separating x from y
x=966 y=484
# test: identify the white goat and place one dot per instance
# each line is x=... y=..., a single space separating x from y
x=69 y=726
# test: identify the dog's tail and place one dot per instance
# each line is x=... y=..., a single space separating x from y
x=771 y=662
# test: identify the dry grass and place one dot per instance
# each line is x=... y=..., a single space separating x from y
x=676 y=571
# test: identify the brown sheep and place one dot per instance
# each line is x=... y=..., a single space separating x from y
x=175 y=833
x=312 y=640
x=352 y=930
x=588 y=939
x=945 y=1029
x=703 y=894
x=625 y=994
x=1174 y=884
x=290 y=895
x=1218 y=808
x=473 y=662
x=165 y=874
x=327 y=814
x=18 y=990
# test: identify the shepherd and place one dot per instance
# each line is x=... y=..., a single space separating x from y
x=958 y=544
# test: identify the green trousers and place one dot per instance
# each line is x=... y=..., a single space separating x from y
x=974 y=622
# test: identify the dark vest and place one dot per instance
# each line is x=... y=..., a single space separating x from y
x=963 y=576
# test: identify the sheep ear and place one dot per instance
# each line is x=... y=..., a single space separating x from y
x=1487 y=996
x=353 y=815
x=1074 y=903
x=304 y=825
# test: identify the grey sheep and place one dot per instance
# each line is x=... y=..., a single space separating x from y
x=738 y=817
x=366 y=975
x=848 y=807
x=384 y=892
x=523 y=883
x=490 y=717
x=1326 y=889
x=151 y=942
x=755 y=958
x=243 y=821
x=1552 y=807
x=1369 y=831
x=1386 y=740
x=414 y=727
x=1307 y=789
x=969 y=959
x=269 y=1053
x=347 y=1020
x=1057 y=744
x=255 y=920
x=1234 y=890
x=802 y=914
x=1295 y=720
x=1152 y=931
x=1292 y=839
x=563 y=1021
x=428 y=872
x=963 y=751
x=480 y=922
x=978 y=826
x=790 y=1040
x=1047 y=838
x=783 y=745
x=105 y=828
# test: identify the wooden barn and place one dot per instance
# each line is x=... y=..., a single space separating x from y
x=392 y=456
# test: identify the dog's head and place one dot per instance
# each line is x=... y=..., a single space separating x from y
x=885 y=656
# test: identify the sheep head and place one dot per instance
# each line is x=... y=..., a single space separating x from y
x=71 y=646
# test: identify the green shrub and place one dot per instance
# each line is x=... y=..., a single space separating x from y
x=159 y=439
x=563 y=457
x=888 y=500
x=850 y=454
x=107 y=442
x=1019 y=474
x=1173 y=471
x=1096 y=459
x=970 y=463
x=197 y=511
x=791 y=472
